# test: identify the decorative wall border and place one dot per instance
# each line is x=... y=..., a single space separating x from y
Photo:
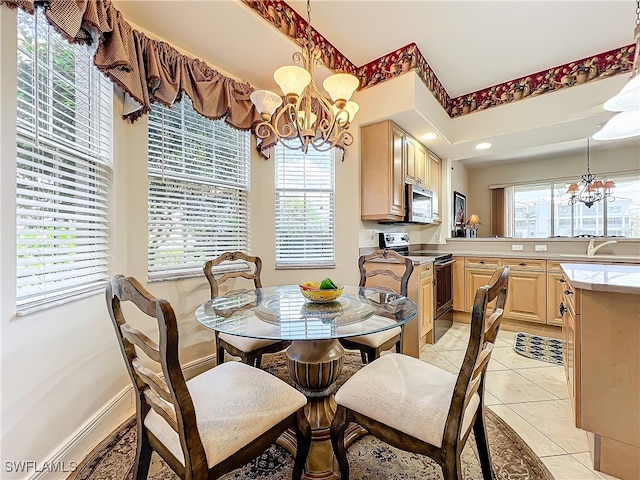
x=409 y=57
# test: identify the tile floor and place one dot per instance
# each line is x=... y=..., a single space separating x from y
x=531 y=396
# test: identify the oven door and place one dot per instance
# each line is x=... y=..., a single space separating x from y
x=443 y=287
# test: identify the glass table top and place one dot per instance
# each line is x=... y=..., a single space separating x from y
x=282 y=313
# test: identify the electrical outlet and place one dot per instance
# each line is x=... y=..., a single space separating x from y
x=517 y=247
x=438 y=238
x=373 y=239
x=540 y=248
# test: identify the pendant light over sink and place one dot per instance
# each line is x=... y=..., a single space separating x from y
x=308 y=118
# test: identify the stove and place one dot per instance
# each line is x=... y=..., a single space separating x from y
x=442 y=279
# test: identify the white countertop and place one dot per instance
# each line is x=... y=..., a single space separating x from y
x=605 y=278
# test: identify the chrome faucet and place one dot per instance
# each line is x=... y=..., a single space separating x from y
x=591 y=250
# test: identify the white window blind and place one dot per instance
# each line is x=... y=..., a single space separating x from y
x=305 y=220
x=199 y=173
x=63 y=167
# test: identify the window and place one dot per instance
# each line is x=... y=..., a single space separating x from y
x=63 y=167
x=198 y=190
x=543 y=210
x=305 y=191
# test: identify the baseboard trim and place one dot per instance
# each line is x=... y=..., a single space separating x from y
x=542 y=329
x=96 y=429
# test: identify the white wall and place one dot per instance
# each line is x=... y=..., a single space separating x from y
x=572 y=166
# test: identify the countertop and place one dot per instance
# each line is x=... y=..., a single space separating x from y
x=567 y=257
x=604 y=278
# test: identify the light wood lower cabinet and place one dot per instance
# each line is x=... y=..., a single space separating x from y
x=527 y=295
x=458 y=284
x=426 y=304
x=602 y=363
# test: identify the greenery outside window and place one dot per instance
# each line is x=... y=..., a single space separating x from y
x=305 y=208
x=199 y=178
x=64 y=170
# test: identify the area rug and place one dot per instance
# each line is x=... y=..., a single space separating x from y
x=545 y=349
x=369 y=458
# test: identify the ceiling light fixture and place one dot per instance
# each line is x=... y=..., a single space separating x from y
x=308 y=117
x=627 y=101
x=589 y=190
x=429 y=136
x=483 y=146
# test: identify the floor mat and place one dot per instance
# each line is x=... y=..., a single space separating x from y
x=545 y=349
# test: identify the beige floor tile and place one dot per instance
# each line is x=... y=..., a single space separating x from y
x=507 y=335
x=460 y=330
x=509 y=358
x=434 y=358
x=585 y=459
x=457 y=357
x=490 y=399
x=509 y=387
x=539 y=443
x=565 y=467
x=555 y=419
x=550 y=378
x=450 y=342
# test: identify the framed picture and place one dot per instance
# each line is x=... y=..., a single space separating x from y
x=459 y=210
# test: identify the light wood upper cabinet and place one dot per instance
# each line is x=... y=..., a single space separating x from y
x=422 y=165
x=435 y=183
x=382 y=176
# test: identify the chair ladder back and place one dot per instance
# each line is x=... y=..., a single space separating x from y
x=484 y=330
x=216 y=280
x=392 y=257
x=168 y=396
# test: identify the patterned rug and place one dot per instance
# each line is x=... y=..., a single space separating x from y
x=539 y=348
x=369 y=458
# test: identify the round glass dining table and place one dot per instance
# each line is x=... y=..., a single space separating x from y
x=315 y=356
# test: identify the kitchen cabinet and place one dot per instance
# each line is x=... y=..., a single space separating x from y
x=417 y=170
x=382 y=173
x=555 y=289
x=478 y=272
x=435 y=183
x=527 y=295
x=601 y=328
x=458 y=284
x=425 y=303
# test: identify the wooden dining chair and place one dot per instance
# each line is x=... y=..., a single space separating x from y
x=236 y=265
x=423 y=409
x=213 y=423
x=390 y=279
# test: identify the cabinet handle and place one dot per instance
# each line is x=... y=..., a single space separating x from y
x=481 y=262
x=563 y=309
x=568 y=292
x=562 y=280
x=522 y=264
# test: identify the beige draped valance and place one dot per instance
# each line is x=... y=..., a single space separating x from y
x=147 y=70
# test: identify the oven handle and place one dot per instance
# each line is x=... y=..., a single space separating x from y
x=445 y=264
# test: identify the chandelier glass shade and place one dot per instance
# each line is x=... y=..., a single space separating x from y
x=589 y=189
x=306 y=117
x=626 y=123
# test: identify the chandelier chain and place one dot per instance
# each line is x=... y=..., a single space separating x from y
x=637 y=12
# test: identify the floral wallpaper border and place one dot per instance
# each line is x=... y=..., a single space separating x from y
x=409 y=57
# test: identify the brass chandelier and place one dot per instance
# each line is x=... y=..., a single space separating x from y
x=589 y=190
x=308 y=117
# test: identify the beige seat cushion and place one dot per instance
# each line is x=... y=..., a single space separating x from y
x=246 y=344
x=234 y=404
x=372 y=339
x=406 y=394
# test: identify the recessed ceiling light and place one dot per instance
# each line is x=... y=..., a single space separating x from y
x=483 y=146
x=429 y=136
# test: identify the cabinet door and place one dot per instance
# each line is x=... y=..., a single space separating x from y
x=571 y=360
x=411 y=173
x=527 y=296
x=458 y=284
x=555 y=288
x=426 y=304
x=396 y=205
x=435 y=183
x=475 y=278
x=422 y=165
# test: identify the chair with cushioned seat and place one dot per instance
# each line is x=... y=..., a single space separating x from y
x=234 y=265
x=215 y=422
x=372 y=345
x=423 y=409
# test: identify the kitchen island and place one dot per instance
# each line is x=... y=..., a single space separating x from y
x=601 y=353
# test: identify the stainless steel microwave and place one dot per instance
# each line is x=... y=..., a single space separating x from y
x=419 y=204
